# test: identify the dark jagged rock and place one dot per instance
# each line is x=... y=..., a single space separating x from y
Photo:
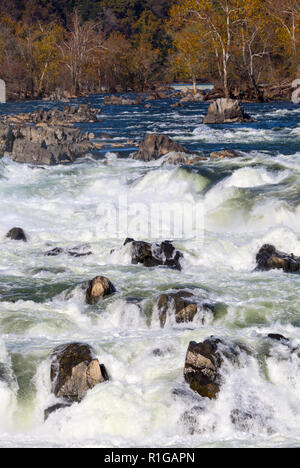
x=72 y=252
x=44 y=145
x=269 y=258
x=17 y=234
x=278 y=337
x=226 y=111
x=155 y=146
x=74 y=371
x=156 y=254
x=183 y=304
x=98 y=288
x=6 y=139
x=203 y=363
x=54 y=408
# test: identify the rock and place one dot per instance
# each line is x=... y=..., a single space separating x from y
x=74 y=371
x=99 y=288
x=6 y=139
x=278 y=337
x=296 y=93
x=54 y=408
x=2 y=92
x=55 y=117
x=72 y=252
x=155 y=146
x=46 y=145
x=17 y=234
x=269 y=258
x=189 y=96
x=119 y=101
x=183 y=304
x=225 y=154
x=226 y=111
x=156 y=254
x=182 y=159
x=202 y=365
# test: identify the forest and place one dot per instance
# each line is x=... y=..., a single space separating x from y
x=86 y=46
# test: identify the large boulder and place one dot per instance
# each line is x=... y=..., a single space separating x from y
x=204 y=361
x=269 y=258
x=154 y=254
x=48 y=145
x=98 y=288
x=202 y=366
x=155 y=146
x=17 y=234
x=6 y=139
x=74 y=370
x=184 y=305
x=226 y=110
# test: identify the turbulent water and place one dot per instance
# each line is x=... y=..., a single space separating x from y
x=245 y=202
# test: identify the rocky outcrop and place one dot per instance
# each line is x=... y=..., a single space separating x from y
x=74 y=252
x=67 y=116
x=155 y=254
x=6 y=139
x=155 y=146
x=226 y=111
x=74 y=370
x=46 y=145
x=223 y=154
x=184 y=305
x=203 y=364
x=98 y=288
x=188 y=95
x=119 y=101
x=269 y=258
x=17 y=234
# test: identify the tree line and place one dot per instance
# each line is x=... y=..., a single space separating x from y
x=85 y=46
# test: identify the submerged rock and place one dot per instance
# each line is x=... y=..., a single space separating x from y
x=182 y=159
x=74 y=371
x=72 y=252
x=99 y=288
x=183 y=304
x=54 y=408
x=225 y=110
x=154 y=254
x=154 y=146
x=269 y=258
x=17 y=233
x=225 y=154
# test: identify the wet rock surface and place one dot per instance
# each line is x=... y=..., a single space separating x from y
x=269 y=258
x=98 y=288
x=47 y=145
x=226 y=111
x=74 y=371
x=154 y=254
x=155 y=146
x=17 y=234
x=184 y=305
x=203 y=364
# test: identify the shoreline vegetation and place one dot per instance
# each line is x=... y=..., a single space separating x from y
x=62 y=50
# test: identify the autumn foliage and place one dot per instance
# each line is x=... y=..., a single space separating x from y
x=81 y=47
